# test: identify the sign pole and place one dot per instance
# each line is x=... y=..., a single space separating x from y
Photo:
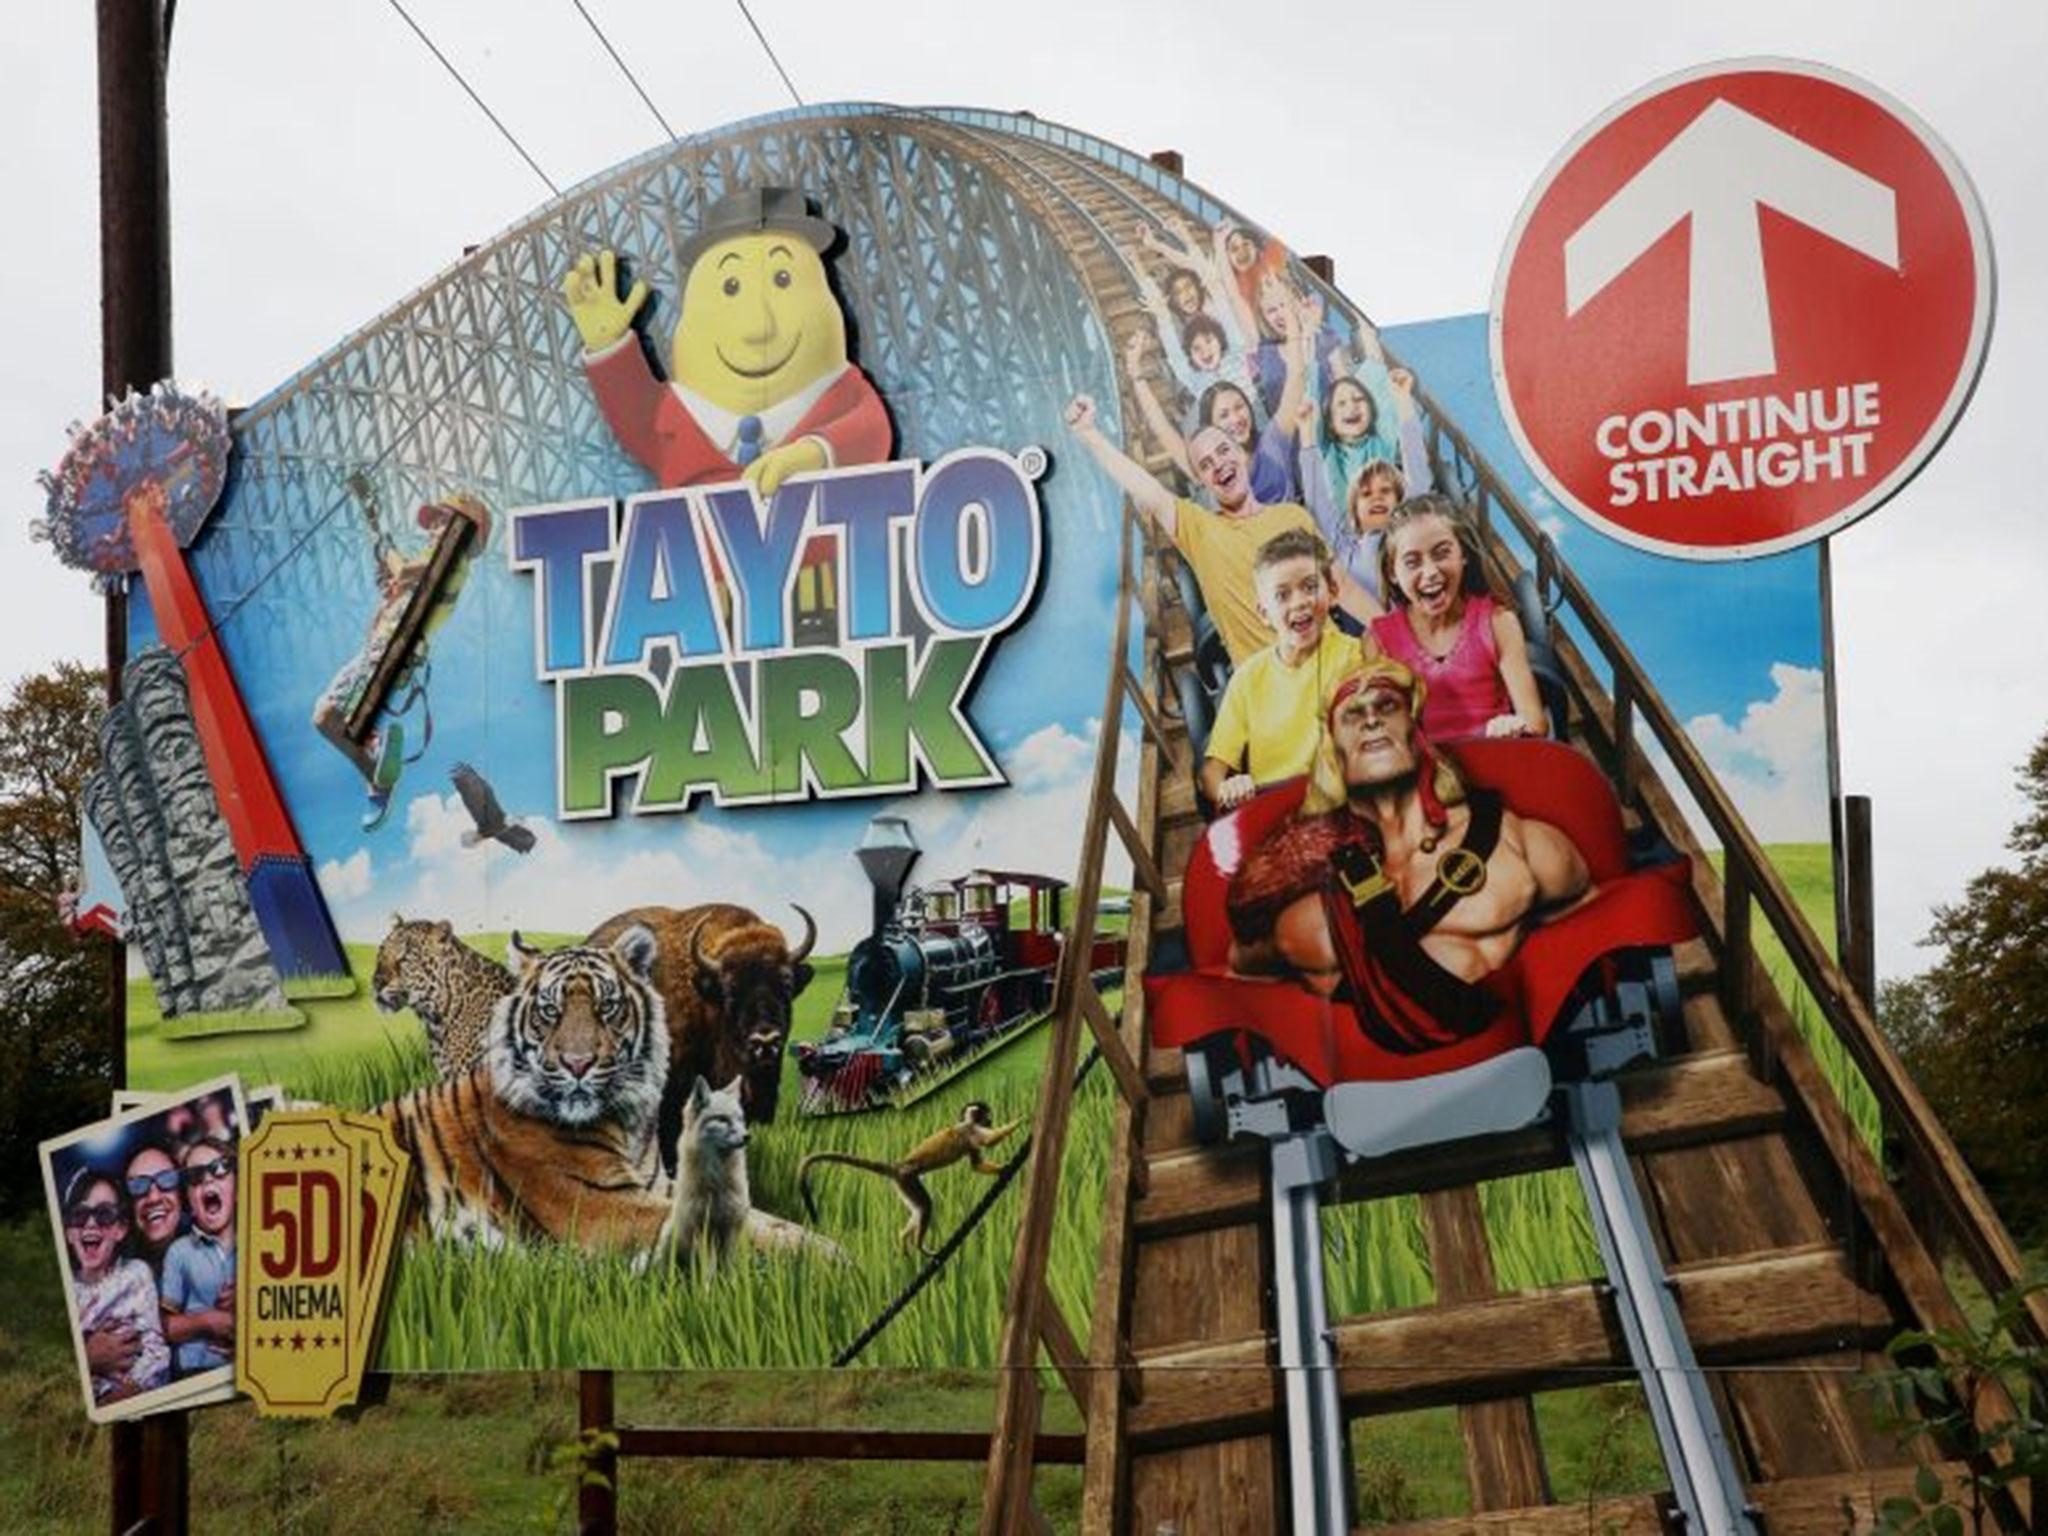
x=148 y=1456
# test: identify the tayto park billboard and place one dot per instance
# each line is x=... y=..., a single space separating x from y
x=624 y=722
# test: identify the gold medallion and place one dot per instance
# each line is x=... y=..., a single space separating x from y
x=1461 y=870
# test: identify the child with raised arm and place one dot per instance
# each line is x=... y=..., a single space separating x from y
x=1270 y=719
x=1267 y=446
x=1219 y=546
x=1446 y=628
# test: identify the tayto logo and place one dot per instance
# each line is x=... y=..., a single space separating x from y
x=1741 y=309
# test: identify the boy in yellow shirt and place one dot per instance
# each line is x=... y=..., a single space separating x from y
x=1271 y=718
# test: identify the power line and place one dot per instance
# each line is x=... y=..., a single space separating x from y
x=631 y=78
x=767 y=49
x=532 y=164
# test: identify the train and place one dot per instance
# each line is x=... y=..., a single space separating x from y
x=947 y=972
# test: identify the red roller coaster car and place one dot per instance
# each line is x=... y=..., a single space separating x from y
x=1582 y=995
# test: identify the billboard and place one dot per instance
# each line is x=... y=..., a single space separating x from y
x=675 y=640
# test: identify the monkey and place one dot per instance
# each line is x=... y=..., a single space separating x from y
x=967 y=1138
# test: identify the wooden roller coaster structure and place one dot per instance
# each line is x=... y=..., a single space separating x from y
x=1795 y=1249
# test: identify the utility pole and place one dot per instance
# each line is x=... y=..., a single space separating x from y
x=149 y=1456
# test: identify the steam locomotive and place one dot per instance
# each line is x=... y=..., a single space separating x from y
x=947 y=972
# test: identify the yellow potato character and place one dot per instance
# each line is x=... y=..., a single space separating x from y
x=760 y=382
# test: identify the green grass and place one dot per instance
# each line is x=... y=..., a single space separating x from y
x=303 y=987
x=234 y=1021
x=471 y=1454
x=547 y=1307
x=1808 y=871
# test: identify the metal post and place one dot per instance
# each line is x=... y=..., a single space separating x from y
x=1704 y=1480
x=148 y=1457
x=1318 y=1446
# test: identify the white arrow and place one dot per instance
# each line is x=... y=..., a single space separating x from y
x=1717 y=171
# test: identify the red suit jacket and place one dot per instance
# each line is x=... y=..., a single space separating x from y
x=654 y=426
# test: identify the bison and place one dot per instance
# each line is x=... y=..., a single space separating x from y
x=728 y=980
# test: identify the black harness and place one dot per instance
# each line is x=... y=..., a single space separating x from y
x=1404 y=1000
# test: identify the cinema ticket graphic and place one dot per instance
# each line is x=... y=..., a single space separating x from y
x=315 y=1246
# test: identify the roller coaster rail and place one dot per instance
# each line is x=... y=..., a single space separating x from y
x=1746 y=1115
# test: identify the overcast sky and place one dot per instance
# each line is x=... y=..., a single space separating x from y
x=323 y=165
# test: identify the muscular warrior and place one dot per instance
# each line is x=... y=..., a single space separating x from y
x=1396 y=883
x=968 y=1138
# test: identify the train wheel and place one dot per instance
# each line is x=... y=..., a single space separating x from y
x=1205 y=1066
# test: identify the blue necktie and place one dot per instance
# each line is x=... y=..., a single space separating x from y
x=750 y=441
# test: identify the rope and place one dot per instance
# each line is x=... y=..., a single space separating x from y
x=631 y=79
x=531 y=164
x=951 y=1245
x=765 y=48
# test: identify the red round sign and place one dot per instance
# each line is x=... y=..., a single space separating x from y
x=1741 y=309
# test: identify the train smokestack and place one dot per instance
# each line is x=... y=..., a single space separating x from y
x=886 y=853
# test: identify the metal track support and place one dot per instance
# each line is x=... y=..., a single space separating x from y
x=1318 y=1449
x=1709 y=1491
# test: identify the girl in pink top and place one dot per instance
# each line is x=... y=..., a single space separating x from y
x=1468 y=650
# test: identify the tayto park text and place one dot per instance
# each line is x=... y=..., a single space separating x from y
x=947 y=973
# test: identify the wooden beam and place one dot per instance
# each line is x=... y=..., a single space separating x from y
x=1148 y=715
x=1742 y=1311
x=1503 y=1460
x=1006 y=1491
x=1065 y=1350
x=1801 y=1506
x=1708 y=1096
x=835 y=1444
x=1129 y=1080
x=597 y=1500
x=1143 y=869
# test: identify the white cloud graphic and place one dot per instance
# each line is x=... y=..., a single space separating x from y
x=346 y=879
x=1050 y=755
x=578 y=874
x=1772 y=762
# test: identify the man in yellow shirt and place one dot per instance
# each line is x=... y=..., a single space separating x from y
x=1270 y=721
x=1219 y=546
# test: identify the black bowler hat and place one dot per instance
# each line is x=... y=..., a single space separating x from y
x=754 y=211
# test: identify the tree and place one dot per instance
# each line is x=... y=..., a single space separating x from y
x=53 y=985
x=1974 y=1028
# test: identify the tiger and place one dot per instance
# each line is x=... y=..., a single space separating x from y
x=553 y=1133
x=449 y=986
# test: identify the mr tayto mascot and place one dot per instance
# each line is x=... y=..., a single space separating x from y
x=760 y=386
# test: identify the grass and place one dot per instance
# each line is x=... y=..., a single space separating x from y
x=233 y=1021
x=547 y=1308
x=1808 y=872
x=471 y=1454
x=315 y=987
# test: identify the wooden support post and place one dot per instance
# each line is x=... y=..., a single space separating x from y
x=1736 y=949
x=1624 y=743
x=1168 y=160
x=1143 y=868
x=1121 y=1064
x=1323 y=266
x=1859 y=959
x=1148 y=714
x=597 y=1503
x=1068 y=1358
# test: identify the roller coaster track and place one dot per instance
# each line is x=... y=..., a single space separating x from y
x=1794 y=1249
